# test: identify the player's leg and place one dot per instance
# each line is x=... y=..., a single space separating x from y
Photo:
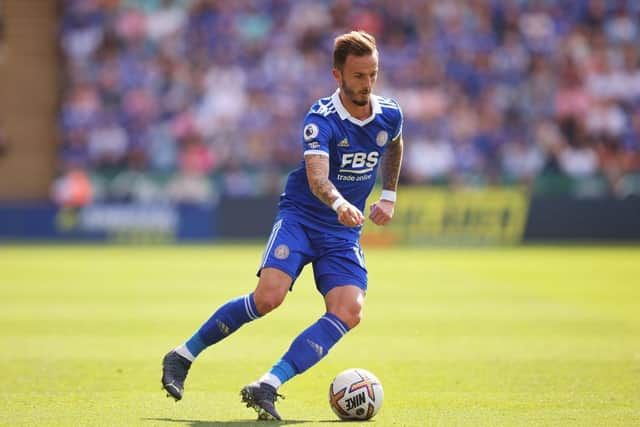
x=287 y=254
x=271 y=290
x=341 y=277
x=344 y=309
x=344 y=305
x=269 y=293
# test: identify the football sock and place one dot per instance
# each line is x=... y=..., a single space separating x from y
x=307 y=349
x=183 y=351
x=226 y=320
x=271 y=379
x=279 y=373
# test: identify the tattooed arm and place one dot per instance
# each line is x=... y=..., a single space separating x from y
x=390 y=166
x=382 y=210
x=317 y=168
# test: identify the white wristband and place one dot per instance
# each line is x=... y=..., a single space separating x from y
x=337 y=203
x=388 y=195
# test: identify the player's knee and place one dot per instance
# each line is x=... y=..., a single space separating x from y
x=271 y=290
x=353 y=319
x=267 y=301
x=351 y=315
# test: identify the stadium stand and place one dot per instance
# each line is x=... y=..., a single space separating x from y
x=187 y=100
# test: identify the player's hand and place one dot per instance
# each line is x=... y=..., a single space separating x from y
x=381 y=212
x=349 y=215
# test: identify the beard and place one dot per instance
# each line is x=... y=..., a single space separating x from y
x=361 y=99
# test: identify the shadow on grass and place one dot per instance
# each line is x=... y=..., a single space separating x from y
x=237 y=423
x=245 y=423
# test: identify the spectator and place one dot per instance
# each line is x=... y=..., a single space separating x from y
x=430 y=159
x=522 y=161
x=73 y=188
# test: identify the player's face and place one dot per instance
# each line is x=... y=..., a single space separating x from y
x=358 y=77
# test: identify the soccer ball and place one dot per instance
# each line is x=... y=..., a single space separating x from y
x=356 y=394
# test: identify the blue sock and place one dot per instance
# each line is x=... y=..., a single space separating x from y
x=309 y=347
x=226 y=320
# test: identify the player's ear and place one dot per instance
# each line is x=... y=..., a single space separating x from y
x=337 y=75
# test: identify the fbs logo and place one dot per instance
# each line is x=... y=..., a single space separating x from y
x=354 y=162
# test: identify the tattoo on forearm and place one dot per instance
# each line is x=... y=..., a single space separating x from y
x=318 y=176
x=390 y=166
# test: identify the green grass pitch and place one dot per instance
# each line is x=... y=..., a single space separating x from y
x=528 y=336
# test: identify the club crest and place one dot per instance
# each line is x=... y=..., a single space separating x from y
x=382 y=138
x=281 y=252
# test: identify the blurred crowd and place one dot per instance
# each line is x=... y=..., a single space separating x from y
x=190 y=99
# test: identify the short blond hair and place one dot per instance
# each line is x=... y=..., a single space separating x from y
x=358 y=43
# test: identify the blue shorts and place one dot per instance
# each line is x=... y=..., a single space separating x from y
x=336 y=261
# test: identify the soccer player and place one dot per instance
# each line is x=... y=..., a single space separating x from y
x=346 y=137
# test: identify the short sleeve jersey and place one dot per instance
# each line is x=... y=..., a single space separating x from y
x=354 y=148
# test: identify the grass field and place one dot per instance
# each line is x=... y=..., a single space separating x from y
x=532 y=336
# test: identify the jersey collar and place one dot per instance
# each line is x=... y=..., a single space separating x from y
x=344 y=114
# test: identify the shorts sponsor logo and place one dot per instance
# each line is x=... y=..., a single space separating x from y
x=281 y=252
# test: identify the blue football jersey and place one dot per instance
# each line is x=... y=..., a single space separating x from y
x=354 y=148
